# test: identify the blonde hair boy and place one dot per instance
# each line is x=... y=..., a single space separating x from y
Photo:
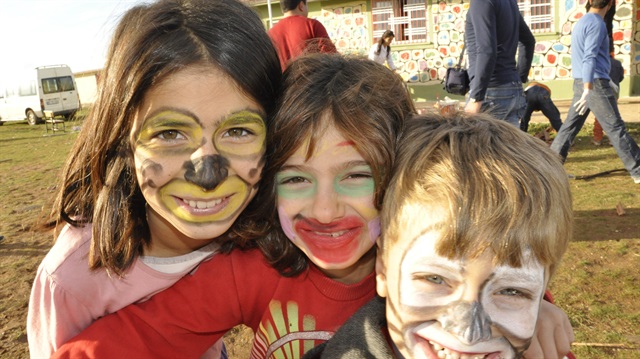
x=475 y=222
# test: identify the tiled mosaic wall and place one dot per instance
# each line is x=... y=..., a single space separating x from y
x=350 y=28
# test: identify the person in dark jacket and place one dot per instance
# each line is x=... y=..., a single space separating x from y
x=493 y=31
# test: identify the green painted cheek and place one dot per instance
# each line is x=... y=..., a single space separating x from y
x=361 y=189
x=297 y=193
x=294 y=191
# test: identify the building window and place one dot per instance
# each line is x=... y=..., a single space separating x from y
x=538 y=14
x=407 y=19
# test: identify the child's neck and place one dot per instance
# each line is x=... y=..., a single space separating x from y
x=356 y=272
x=166 y=240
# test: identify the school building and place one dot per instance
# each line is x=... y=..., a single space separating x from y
x=430 y=37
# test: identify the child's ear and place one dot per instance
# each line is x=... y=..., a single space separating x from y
x=381 y=278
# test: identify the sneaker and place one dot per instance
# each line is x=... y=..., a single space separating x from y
x=636 y=179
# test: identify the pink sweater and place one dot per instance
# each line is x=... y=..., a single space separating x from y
x=66 y=296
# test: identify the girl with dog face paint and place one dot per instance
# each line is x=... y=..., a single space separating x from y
x=168 y=157
x=198 y=147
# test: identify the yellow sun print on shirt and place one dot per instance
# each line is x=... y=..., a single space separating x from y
x=287 y=335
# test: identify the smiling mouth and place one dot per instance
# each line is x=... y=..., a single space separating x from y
x=331 y=234
x=202 y=204
x=446 y=353
x=329 y=240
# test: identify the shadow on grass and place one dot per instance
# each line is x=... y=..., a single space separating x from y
x=605 y=224
x=20 y=250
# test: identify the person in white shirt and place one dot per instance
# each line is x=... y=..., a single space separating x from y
x=381 y=51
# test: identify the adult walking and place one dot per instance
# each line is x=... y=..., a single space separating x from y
x=493 y=30
x=592 y=92
x=295 y=33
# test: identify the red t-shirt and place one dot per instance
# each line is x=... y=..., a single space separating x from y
x=293 y=35
x=290 y=315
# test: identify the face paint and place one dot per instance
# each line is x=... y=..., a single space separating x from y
x=198 y=145
x=207 y=171
x=374 y=229
x=190 y=203
x=325 y=204
x=241 y=135
x=461 y=308
x=355 y=187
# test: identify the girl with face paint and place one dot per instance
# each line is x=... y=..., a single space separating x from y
x=169 y=156
x=336 y=130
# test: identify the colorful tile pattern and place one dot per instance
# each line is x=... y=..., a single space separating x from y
x=350 y=28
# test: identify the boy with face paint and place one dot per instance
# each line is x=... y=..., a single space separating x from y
x=336 y=130
x=473 y=229
x=168 y=158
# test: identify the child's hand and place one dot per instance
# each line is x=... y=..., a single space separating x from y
x=554 y=334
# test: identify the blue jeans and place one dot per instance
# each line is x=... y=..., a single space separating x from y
x=539 y=99
x=505 y=102
x=602 y=101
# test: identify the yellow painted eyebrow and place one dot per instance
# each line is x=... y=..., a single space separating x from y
x=170 y=117
x=242 y=118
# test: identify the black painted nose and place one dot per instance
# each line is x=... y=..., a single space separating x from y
x=207 y=171
x=468 y=321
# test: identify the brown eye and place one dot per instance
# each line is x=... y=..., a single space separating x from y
x=237 y=132
x=293 y=180
x=170 y=135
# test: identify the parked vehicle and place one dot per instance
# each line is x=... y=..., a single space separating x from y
x=50 y=88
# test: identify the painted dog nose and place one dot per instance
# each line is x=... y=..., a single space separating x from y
x=468 y=321
x=207 y=171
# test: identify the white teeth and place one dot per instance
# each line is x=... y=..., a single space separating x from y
x=451 y=355
x=203 y=204
x=446 y=353
x=332 y=234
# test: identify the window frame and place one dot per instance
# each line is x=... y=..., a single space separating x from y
x=401 y=16
x=539 y=15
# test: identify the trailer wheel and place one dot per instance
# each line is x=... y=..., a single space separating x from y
x=32 y=118
x=69 y=116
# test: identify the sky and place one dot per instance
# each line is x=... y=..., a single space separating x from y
x=51 y=32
